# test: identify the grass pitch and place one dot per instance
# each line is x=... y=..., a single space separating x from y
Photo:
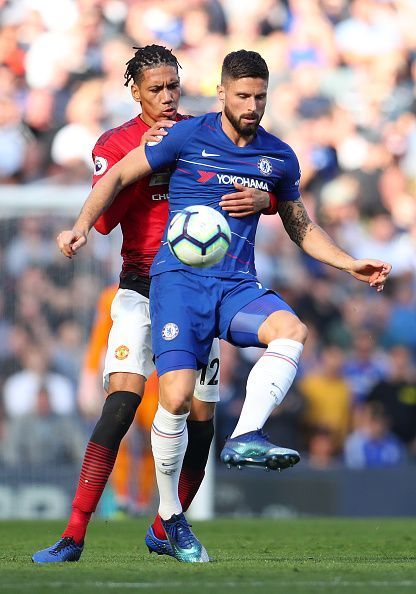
x=298 y=556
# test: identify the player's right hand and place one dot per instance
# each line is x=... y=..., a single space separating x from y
x=70 y=241
x=156 y=132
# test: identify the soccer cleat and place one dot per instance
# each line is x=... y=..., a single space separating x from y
x=64 y=550
x=254 y=449
x=157 y=545
x=185 y=545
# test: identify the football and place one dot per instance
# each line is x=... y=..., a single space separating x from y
x=199 y=236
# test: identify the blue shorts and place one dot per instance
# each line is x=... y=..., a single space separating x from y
x=187 y=311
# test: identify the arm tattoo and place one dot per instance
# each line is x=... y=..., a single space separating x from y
x=295 y=219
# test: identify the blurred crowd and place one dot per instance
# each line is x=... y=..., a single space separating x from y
x=342 y=94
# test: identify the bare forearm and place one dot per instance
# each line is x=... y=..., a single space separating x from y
x=132 y=167
x=310 y=237
x=317 y=244
x=99 y=199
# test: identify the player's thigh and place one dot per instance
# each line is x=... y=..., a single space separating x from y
x=176 y=390
x=183 y=307
x=208 y=378
x=246 y=311
x=129 y=343
x=121 y=381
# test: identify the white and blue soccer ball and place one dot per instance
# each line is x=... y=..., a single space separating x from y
x=199 y=236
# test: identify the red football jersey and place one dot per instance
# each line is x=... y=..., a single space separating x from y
x=142 y=208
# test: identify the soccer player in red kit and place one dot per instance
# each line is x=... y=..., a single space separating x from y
x=142 y=210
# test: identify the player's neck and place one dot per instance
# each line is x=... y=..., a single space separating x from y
x=232 y=133
x=147 y=119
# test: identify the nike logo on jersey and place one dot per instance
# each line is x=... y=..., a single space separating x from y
x=205 y=154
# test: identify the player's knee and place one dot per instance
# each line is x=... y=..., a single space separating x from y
x=175 y=396
x=176 y=390
x=285 y=325
x=293 y=329
x=298 y=331
x=177 y=404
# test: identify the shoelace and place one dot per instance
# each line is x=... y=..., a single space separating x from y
x=182 y=534
x=259 y=433
x=264 y=435
x=62 y=544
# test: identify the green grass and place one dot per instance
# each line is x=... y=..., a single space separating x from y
x=257 y=555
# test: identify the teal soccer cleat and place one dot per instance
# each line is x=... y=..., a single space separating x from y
x=254 y=449
x=64 y=550
x=157 y=545
x=185 y=545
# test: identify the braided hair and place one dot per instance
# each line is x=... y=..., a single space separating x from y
x=150 y=56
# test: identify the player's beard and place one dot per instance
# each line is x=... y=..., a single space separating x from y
x=244 y=130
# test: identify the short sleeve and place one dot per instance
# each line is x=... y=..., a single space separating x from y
x=287 y=188
x=104 y=157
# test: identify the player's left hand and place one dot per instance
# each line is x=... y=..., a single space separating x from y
x=244 y=202
x=155 y=134
x=373 y=272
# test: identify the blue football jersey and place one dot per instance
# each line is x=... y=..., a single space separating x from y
x=205 y=164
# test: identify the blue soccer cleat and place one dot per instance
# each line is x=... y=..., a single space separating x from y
x=254 y=449
x=185 y=545
x=64 y=550
x=157 y=545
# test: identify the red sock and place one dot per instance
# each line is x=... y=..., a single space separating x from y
x=189 y=482
x=96 y=468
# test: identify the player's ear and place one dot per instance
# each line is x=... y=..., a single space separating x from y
x=135 y=92
x=220 y=93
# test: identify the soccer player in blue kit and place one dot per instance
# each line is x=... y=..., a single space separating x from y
x=189 y=306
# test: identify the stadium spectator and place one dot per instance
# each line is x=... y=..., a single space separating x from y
x=66 y=357
x=400 y=326
x=73 y=144
x=28 y=247
x=372 y=444
x=397 y=393
x=41 y=436
x=322 y=452
x=15 y=140
x=21 y=389
x=364 y=365
x=327 y=397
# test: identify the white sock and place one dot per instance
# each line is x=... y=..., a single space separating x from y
x=268 y=383
x=169 y=436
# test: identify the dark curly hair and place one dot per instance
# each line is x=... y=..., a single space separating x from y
x=149 y=56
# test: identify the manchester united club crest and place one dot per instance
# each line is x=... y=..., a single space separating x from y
x=170 y=331
x=122 y=352
x=264 y=166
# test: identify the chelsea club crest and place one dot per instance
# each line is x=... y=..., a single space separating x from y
x=264 y=166
x=170 y=331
